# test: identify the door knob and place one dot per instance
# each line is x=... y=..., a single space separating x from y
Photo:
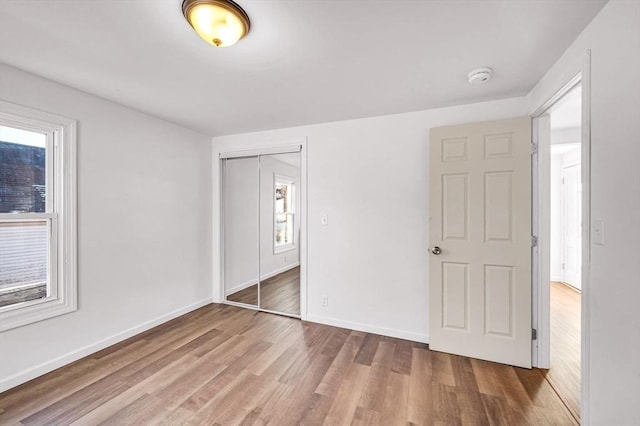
x=436 y=250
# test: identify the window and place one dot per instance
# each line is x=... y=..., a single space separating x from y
x=284 y=209
x=37 y=216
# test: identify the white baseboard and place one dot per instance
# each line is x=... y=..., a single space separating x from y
x=240 y=287
x=278 y=271
x=46 y=367
x=367 y=328
x=262 y=278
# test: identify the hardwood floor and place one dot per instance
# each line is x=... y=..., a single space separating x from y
x=225 y=365
x=564 y=374
x=280 y=293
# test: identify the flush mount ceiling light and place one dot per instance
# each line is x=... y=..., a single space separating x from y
x=480 y=75
x=218 y=22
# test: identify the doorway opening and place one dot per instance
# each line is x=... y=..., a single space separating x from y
x=565 y=244
x=561 y=209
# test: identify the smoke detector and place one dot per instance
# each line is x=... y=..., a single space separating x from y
x=480 y=76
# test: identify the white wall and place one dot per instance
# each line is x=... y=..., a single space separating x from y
x=565 y=134
x=144 y=245
x=555 y=224
x=613 y=351
x=566 y=156
x=370 y=177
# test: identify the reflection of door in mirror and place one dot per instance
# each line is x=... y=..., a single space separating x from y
x=240 y=229
x=279 y=233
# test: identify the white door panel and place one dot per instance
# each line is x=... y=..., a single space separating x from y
x=480 y=217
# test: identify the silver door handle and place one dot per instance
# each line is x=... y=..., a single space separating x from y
x=436 y=250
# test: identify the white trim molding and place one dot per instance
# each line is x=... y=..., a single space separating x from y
x=283 y=149
x=585 y=354
x=368 y=328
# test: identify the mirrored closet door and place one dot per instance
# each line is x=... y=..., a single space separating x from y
x=280 y=233
x=261 y=225
x=241 y=230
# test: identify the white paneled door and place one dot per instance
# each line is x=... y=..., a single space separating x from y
x=480 y=240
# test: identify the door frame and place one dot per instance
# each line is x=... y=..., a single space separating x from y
x=541 y=309
x=299 y=145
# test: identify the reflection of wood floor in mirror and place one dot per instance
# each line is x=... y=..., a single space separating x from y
x=280 y=293
x=564 y=374
x=247 y=295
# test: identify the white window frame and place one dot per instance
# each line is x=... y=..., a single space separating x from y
x=288 y=180
x=60 y=213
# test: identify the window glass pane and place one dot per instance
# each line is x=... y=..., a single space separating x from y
x=23 y=261
x=22 y=171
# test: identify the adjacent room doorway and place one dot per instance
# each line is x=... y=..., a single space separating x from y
x=565 y=247
x=559 y=224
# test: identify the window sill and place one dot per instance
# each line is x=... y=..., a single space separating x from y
x=29 y=312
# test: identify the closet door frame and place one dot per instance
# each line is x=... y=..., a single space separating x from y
x=219 y=287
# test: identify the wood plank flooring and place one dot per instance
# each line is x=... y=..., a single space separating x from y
x=280 y=293
x=564 y=374
x=222 y=365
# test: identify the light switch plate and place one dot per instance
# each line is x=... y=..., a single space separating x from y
x=324 y=220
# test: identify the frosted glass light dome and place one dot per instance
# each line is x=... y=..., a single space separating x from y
x=218 y=22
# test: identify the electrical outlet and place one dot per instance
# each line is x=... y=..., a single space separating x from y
x=324 y=300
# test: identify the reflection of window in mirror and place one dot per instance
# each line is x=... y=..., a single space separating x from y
x=284 y=210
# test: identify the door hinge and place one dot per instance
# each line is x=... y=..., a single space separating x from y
x=534 y=334
x=534 y=241
x=534 y=148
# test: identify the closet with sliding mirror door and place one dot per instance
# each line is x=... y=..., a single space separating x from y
x=261 y=231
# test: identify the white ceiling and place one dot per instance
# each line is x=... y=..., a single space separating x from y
x=304 y=61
